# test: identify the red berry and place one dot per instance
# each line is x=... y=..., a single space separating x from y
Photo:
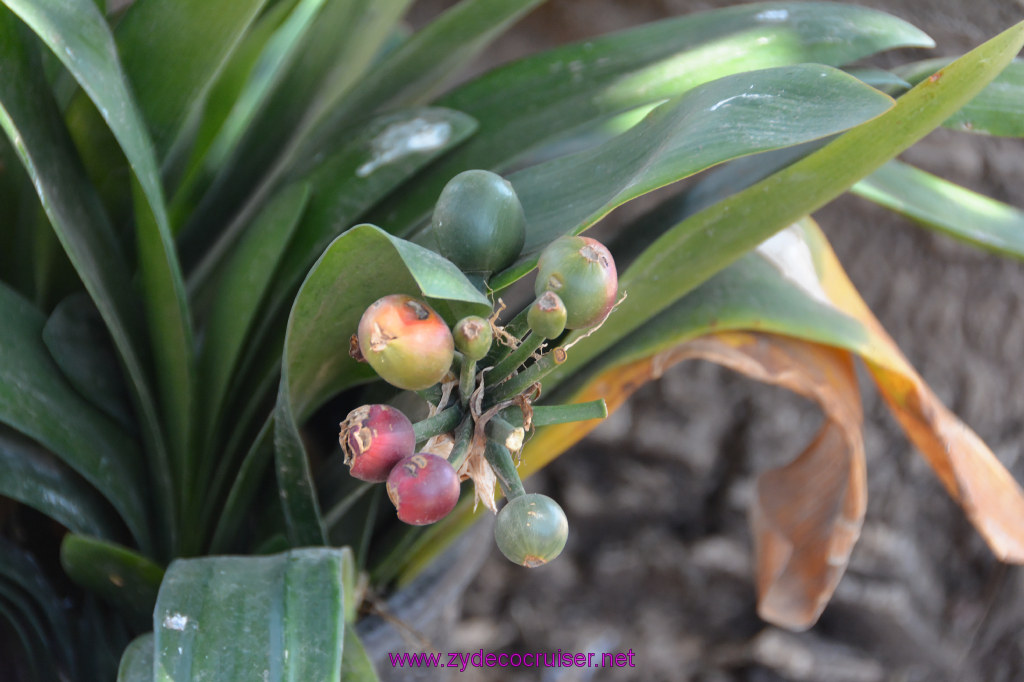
x=374 y=439
x=423 y=488
x=406 y=342
x=582 y=272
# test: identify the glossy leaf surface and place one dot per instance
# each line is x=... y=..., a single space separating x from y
x=945 y=206
x=716 y=236
x=173 y=51
x=582 y=84
x=32 y=476
x=122 y=577
x=996 y=110
x=715 y=122
x=36 y=400
x=278 y=617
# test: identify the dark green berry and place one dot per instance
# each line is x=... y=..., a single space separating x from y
x=531 y=530
x=478 y=222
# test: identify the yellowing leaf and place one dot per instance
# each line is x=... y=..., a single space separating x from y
x=971 y=473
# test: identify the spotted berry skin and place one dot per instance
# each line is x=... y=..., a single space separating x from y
x=406 y=342
x=531 y=530
x=374 y=439
x=582 y=272
x=423 y=488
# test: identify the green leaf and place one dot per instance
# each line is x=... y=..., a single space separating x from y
x=421 y=65
x=355 y=662
x=278 y=617
x=360 y=266
x=727 y=118
x=37 y=401
x=173 y=51
x=32 y=476
x=28 y=594
x=581 y=84
x=706 y=242
x=945 y=206
x=79 y=36
x=80 y=345
x=218 y=105
x=374 y=161
x=125 y=579
x=243 y=284
x=137 y=660
x=337 y=49
x=997 y=110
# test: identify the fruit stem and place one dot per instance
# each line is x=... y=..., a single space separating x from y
x=511 y=363
x=463 y=439
x=546 y=415
x=500 y=459
x=467 y=381
x=505 y=433
x=528 y=376
x=442 y=422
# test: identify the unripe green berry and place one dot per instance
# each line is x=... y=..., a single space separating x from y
x=582 y=272
x=478 y=222
x=531 y=530
x=406 y=342
x=547 y=315
x=473 y=337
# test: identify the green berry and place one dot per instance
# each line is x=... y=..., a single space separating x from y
x=406 y=342
x=531 y=530
x=582 y=272
x=473 y=337
x=547 y=315
x=478 y=222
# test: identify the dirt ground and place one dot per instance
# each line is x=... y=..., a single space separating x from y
x=659 y=558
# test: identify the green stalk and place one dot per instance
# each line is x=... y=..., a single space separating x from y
x=463 y=439
x=500 y=460
x=507 y=434
x=532 y=374
x=503 y=370
x=467 y=381
x=442 y=422
x=546 y=415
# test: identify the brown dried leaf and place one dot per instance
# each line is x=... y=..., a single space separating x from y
x=971 y=473
x=807 y=515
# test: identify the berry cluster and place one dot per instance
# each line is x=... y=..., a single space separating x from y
x=480 y=378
